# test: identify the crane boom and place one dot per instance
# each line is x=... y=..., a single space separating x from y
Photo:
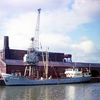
x=36 y=37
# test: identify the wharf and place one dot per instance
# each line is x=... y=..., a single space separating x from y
x=1 y=82
x=95 y=79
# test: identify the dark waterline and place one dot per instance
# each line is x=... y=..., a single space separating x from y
x=89 y=91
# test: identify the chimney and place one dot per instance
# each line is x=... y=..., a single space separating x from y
x=6 y=42
x=6 y=54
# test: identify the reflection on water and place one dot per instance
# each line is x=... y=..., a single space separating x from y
x=51 y=92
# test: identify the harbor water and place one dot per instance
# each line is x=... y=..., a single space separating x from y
x=86 y=91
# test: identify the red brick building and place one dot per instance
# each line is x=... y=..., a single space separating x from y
x=11 y=60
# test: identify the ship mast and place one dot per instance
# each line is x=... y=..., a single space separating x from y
x=43 y=59
x=46 y=68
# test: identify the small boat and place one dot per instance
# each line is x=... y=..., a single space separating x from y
x=72 y=75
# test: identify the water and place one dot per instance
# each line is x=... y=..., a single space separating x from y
x=90 y=91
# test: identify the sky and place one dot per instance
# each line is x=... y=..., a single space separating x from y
x=66 y=26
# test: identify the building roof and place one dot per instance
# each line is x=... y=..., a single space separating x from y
x=21 y=63
x=52 y=64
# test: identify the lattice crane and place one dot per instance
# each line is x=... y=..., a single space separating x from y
x=36 y=37
x=32 y=55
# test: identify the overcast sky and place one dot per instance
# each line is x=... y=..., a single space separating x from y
x=67 y=26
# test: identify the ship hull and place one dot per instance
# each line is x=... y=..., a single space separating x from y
x=11 y=80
